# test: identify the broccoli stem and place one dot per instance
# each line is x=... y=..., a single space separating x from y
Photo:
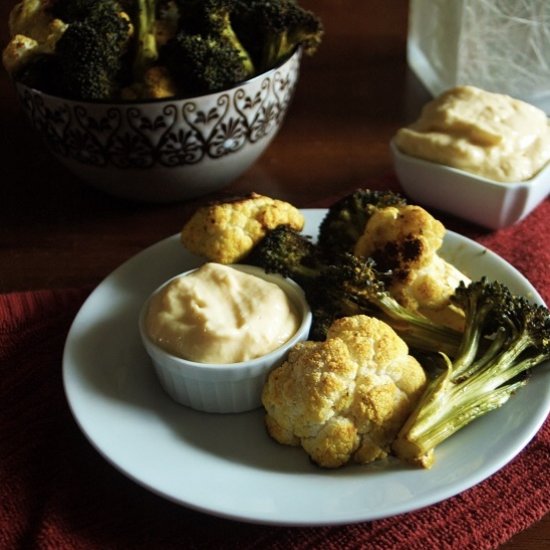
x=471 y=338
x=481 y=379
x=227 y=33
x=443 y=410
x=417 y=331
x=146 y=43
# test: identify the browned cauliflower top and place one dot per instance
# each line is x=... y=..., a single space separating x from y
x=33 y=31
x=226 y=232
x=406 y=240
x=344 y=398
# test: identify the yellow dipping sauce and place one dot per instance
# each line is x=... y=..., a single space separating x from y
x=218 y=314
x=492 y=135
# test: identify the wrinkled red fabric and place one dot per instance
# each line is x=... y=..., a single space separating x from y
x=56 y=491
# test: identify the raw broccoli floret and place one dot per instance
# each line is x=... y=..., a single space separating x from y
x=271 y=30
x=346 y=219
x=346 y=285
x=505 y=337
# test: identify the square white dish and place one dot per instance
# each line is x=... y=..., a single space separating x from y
x=480 y=200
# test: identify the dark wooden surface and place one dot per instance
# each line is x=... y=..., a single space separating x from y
x=352 y=96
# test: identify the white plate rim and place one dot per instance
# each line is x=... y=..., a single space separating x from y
x=297 y=481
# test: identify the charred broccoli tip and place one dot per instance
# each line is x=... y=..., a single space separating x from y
x=346 y=219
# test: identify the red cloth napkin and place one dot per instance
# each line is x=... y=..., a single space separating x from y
x=56 y=491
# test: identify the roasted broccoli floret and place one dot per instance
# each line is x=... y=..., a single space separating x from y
x=346 y=285
x=86 y=58
x=206 y=55
x=133 y=49
x=355 y=286
x=90 y=54
x=86 y=55
x=272 y=30
x=287 y=252
x=215 y=19
x=345 y=221
x=202 y=64
x=505 y=337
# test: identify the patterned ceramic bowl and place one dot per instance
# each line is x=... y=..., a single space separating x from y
x=165 y=150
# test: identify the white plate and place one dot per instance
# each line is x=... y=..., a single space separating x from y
x=226 y=464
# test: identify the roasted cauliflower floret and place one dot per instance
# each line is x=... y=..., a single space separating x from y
x=33 y=31
x=157 y=84
x=344 y=399
x=30 y=18
x=405 y=240
x=226 y=232
x=19 y=50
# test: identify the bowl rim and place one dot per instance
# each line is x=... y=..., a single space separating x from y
x=400 y=155
x=297 y=53
x=298 y=299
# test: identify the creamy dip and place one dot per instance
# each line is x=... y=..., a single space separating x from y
x=492 y=135
x=218 y=314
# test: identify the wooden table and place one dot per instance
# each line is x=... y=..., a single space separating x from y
x=55 y=232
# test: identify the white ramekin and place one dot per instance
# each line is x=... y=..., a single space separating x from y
x=225 y=387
